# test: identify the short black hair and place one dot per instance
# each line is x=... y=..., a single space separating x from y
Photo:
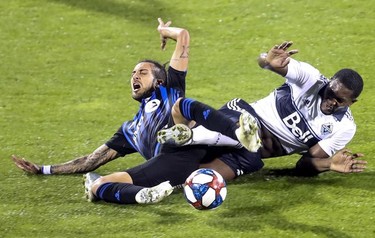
x=351 y=80
x=158 y=70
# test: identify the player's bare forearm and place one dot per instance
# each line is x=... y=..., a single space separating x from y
x=309 y=166
x=99 y=157
x=180 y=56
x=343 y=161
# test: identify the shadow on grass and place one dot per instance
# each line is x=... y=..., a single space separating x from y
x=260 y=202
x=328 y=178
x=257 y=218
x=271 y=192
x=140 y=11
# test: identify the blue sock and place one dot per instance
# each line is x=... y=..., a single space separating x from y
x=122 y=193
x=208 y=117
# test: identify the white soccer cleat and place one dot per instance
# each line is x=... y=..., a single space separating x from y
x=89 y=180
x=178 y=135
x=247 y=133
x=154 y=194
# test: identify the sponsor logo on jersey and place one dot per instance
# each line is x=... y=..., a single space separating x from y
x=292 y=118
x=152 y=105
x=293 y=122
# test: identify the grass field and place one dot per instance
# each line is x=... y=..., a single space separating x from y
x=64 y=73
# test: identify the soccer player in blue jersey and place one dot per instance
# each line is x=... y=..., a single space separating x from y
x=156 y=90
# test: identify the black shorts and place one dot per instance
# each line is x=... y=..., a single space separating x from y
x=172 y=164
x=175 y=164
x=242 y=161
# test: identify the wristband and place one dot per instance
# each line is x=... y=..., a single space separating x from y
x=46 y=169
x=265 y=63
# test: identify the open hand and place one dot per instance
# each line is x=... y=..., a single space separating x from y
x=345 y=161
x=25 y=165
x=279 y=56
x=161 y=27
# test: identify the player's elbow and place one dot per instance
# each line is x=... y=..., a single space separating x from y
x=306 y=168
x=183 y=37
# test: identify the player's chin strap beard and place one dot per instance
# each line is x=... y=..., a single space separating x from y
x=148 y=93
x=145 y=95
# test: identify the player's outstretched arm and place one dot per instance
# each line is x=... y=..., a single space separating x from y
x=180 y=56
x=277 y=58
x=344 y=161
x=26 y=166
x=99 y=157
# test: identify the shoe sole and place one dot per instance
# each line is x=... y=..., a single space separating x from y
x=178 y=134
x=249 y=128
x=88 y=194
x=154 y=195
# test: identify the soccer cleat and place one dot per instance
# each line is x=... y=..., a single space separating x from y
x=177 y=135
x=89 y=179
x=247 y=133
x=154 y=194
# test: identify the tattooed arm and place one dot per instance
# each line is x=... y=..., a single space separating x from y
x=180 y=57
x=99 y=157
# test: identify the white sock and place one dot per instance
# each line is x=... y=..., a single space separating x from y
x=203 y=136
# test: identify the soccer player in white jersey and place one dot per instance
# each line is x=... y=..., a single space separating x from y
x=309 y=114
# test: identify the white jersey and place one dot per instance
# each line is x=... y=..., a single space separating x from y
x=292 y=113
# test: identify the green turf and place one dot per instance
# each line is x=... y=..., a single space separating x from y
x=64 y=74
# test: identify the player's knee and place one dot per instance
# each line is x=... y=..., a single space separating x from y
x=176 y=112
x=176 y=108
x=118 y=177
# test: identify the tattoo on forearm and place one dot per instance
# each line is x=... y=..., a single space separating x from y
x=100 y=156
x=185 y=52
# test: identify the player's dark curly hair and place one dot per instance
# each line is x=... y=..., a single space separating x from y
x=351 y=80
x=158 y=70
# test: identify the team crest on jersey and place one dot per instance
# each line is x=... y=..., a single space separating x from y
x=327 y=128
x=152 y=105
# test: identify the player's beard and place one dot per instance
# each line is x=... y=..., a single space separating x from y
x=144 y=95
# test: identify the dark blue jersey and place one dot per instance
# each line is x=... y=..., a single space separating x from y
x=153 y=115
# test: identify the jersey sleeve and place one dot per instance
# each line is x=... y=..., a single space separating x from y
x=120 y=144
x=176 y=79
x=337 y=141
x=301 y=73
